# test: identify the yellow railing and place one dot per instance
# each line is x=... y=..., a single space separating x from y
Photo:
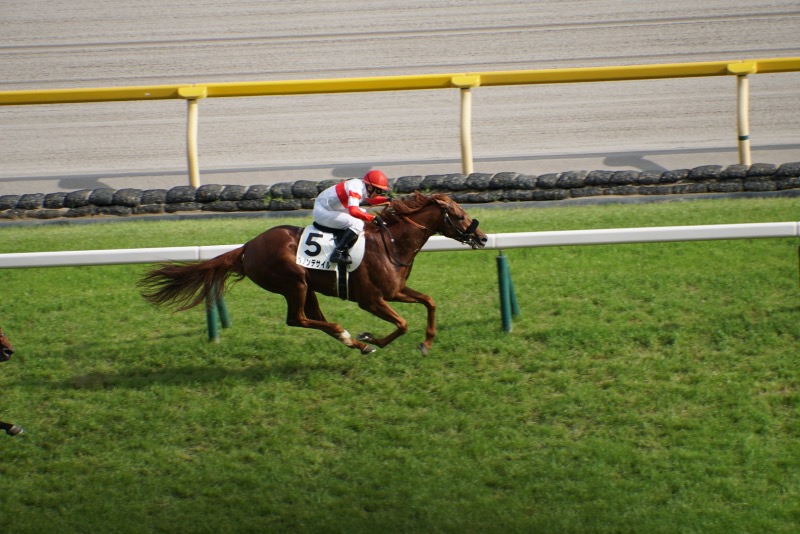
x=462 y=81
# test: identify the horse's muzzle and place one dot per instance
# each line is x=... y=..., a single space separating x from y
x=478 y=243
x=5 y=354
x=478 y=240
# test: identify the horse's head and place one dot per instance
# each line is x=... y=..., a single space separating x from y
x=435 y=214
x=6 y=350
x=456 y=224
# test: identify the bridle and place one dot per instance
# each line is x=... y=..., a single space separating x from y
x=462 y=236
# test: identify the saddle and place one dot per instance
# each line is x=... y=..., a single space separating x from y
x=315 y=248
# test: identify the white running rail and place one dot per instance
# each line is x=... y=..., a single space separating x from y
x=436 y=243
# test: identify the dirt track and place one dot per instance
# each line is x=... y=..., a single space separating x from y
x=536 y=129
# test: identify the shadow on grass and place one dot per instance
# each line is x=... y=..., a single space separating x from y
x=293 y=370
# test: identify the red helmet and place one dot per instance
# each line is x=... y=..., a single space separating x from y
x=377 y=179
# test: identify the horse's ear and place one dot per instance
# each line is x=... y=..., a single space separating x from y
x=443 y=201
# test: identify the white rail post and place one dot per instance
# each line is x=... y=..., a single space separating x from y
x=466 y=83
x=192 y=95
x=741 y=70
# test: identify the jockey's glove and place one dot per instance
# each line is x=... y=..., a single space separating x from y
x=378 y=221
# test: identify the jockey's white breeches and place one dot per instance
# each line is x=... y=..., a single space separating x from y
x=337 y=219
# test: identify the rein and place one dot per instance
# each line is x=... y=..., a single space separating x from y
x=413 y=223
x=393 y=254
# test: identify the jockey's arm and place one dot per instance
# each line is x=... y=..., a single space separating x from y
x=376 y=200
x=353 y=206
x=358 y=213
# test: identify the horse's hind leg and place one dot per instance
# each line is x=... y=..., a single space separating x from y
x=303 y=311
x=279 y=274
x=312 y=309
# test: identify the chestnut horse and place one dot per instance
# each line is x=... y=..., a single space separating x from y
x=269 y=261
x=6 y=350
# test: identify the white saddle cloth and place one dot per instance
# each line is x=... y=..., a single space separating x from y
x=316 y=247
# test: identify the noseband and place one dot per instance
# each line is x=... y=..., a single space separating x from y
x=464 y=236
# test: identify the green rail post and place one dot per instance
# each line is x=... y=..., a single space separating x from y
x=225 y=319
x=216 y=314
x=212 y=319
x=508 y=299
x=511 y=293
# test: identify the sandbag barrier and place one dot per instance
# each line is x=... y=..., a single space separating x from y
x=475 y=188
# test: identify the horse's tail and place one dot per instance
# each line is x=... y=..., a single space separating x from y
x=186 y=285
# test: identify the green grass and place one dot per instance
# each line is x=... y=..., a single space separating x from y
x=645 y=388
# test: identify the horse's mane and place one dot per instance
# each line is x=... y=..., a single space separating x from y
x=408 y=205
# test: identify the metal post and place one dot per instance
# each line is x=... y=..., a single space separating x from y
x=466 y=131
x=212 y=320
x=224 y=317
x=743 y=119
x=191 y=143
x=505 y=303
x=465 y=83
x=511 y=293
x=216 y=314
x=192 y=95
x=508 y=299
x=741 y=70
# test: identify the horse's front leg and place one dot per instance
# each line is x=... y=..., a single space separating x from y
x=412 y=295
x=381 y=309
x=10 y=428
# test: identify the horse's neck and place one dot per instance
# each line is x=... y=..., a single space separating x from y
x=413 y=237
x=412 y=241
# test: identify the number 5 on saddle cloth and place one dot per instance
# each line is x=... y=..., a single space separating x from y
x=316 y=247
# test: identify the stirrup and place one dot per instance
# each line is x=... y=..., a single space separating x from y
x=341 y=256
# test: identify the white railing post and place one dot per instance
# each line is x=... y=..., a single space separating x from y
x=465 y=84
x=741 y=70
x=192 y=95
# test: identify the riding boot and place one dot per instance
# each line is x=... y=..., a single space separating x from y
x=344 y=240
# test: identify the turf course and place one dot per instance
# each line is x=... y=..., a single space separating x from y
x=645 y=388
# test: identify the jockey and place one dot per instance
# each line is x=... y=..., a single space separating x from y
x=338 y=207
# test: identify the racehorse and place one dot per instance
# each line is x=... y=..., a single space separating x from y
x=269 y=260
x=6 y=350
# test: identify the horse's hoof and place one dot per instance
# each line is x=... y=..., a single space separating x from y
x=368 y=349
x=423 y=349
x=14 y=430
x=365 y=337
